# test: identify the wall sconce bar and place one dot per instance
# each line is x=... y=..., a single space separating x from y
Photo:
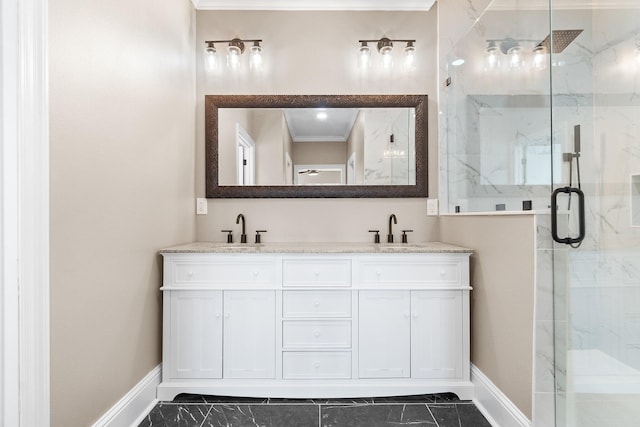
x=235 y=48
x=385 y=47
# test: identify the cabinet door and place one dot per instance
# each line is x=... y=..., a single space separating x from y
x=384 y=333
x=195 y=338
x=436 y=334
x=249 y=334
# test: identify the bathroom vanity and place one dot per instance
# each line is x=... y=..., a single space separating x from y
x=315 y=320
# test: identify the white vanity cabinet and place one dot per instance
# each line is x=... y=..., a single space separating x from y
x=284 y=323
x=415 y=334
x=194 y=326
x=384 y=334
x=249 y=334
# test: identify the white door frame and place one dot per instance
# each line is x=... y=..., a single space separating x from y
x=24 y=214
x=244 y=142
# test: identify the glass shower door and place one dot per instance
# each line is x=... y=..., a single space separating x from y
x=596 y=124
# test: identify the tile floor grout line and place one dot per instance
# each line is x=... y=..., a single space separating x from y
x=206 y=416
x=432 y=416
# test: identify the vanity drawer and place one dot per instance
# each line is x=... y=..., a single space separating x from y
x=316 y=272
x=414 y=272
x=313 y=303
x=306 y=365
x=227 y=271
x=316 y=334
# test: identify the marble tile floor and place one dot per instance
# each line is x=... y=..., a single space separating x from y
x=436 y=410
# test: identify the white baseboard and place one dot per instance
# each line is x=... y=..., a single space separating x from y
x=494 y=405
x=133 y=407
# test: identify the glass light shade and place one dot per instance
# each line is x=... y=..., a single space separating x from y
x=364 y=56
x=515 y=57
x=409 y=55
x=638 y=56
x=492 y=57
x=540 y=58
x=233 y=56
x=255 y=59
x=210 y=59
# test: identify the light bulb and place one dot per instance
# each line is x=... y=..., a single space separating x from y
x=364 y=56
x=210 y=58
x=255 y=59
x=409 y=55
x=540 y=58
x=515 y=57
x=385 y=47
x=235 y=49
x=492 y=57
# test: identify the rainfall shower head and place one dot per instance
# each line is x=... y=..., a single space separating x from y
x=561 y=39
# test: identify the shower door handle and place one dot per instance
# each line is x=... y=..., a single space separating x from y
x=554 y=215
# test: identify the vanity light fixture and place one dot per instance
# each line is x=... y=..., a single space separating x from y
x=364 y=56
x=515 y=57
x=210 y=58
x=540 y=57
x=385 y=48
x=515 y=52
x=492 y=56
x=235 y=49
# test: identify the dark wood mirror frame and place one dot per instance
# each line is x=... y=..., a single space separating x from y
x=213 y=102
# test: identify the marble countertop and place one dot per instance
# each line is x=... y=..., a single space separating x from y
x=313 y=248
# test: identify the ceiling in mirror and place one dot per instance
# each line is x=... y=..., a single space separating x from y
x=320 y=124
x=398 y=5
x=316 y=146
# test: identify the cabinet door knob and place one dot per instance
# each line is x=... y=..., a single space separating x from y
x=317 y=364
x=415 y=315
x=316 y=273
x=443 y=273
x=316 y=304
x=378 y=273
x=316 y=334
x=217 y=315
x=226 y=316
x=406 y=314
x=256 y=273
x=190 y=274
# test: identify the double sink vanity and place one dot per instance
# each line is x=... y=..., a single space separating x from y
x=306 y=320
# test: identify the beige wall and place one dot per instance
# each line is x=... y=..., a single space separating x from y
x=122 y=186
x=303 y=57
x=228 y=118
x=502 y=276
x=268 y=132
x=320 y=153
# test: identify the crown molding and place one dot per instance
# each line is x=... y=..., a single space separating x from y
x=510 y=5
x=388 y=5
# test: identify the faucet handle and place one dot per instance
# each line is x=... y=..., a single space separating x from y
x=376 y=238
x=229 y=236
x=404 y=235
x=258 y=235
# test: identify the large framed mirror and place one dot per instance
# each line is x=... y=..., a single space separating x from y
x=289 y=146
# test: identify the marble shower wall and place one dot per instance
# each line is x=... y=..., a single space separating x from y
x=389 y=156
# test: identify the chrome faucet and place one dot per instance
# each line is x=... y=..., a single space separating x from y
x=243 y=236
x=395 y=221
